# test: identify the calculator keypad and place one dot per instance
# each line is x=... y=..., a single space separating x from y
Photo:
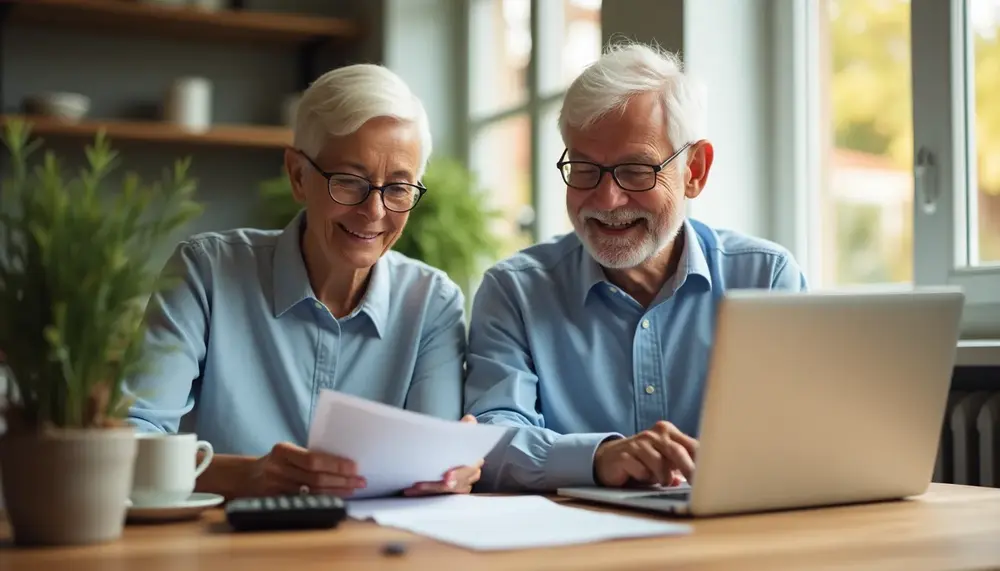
x=296 y=502
x=286 y=512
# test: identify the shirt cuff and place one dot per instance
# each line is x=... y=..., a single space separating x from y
x=142 y=425
x=570 y=462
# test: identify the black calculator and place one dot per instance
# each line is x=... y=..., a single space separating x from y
x=291 y=512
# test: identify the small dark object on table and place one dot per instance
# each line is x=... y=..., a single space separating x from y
x=394 y=549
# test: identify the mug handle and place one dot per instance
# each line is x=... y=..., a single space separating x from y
x=207 y=453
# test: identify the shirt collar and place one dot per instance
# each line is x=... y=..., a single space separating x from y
x=375 y=303
x=592 y=274
x=291 y=281
x=692 y=263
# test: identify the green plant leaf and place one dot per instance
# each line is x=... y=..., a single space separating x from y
x=74 y=277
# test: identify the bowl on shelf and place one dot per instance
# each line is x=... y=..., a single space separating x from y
x=58 y=105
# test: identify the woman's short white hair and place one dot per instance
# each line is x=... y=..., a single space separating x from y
x=626 y=70
x=340 y=101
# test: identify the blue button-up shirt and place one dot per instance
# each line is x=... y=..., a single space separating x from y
x=558 y=351
x=253 y=346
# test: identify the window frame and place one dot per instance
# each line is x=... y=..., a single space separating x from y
x=940 y=104
x=545 y=16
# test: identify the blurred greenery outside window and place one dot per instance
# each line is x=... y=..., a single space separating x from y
x=866 y=107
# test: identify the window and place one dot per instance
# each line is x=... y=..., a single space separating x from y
x=501 y=159
x=523 y=54
x=984 y=83
x=901 y=180
x=865 y=194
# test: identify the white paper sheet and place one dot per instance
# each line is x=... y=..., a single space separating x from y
x=487 y=523
x=436 y=506
x=394 y=448
x=375 y=508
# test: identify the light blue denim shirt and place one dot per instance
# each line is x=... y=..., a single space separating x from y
x=254 y=347
x=557 y=350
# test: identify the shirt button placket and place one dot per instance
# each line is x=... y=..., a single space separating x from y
x=318 y=378
x=334 y=350
x=328 y=352
x=651 y=408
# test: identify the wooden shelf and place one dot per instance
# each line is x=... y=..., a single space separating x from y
x=247 y=136
x=180 y=22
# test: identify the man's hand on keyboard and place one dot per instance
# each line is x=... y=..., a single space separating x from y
x=661 y=455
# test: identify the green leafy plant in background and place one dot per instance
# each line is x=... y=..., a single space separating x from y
x=451 y=228
x=75 y=278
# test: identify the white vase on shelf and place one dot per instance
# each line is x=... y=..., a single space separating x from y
x=189 y=104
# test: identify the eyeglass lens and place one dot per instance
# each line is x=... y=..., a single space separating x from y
x=350 y=190
x=630 y=177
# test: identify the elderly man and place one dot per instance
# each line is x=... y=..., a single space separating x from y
x=595 y=345
x=264 y=320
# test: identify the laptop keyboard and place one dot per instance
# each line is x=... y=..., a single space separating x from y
x=677 y=496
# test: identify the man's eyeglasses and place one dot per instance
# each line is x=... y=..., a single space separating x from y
x=350 y=190
x=633 y=177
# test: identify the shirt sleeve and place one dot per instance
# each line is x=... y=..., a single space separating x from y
x=789 y=276
x=436 y=386
x=177 y=329
x=502 y=388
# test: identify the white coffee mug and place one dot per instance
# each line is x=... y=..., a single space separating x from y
x=166 y=467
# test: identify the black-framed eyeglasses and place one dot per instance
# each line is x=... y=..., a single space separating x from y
x=633 y=177
x=350 y=190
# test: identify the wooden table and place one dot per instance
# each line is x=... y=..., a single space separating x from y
x=950 y=527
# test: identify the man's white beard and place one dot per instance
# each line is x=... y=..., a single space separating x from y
x=624 y=252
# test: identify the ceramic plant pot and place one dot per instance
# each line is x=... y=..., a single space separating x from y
x=67 y=487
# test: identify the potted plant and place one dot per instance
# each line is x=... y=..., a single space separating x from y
x=451 y=228
x=75 y=276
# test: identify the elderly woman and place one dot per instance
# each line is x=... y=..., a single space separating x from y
x=264 y=320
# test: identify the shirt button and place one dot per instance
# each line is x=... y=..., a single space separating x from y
x=319 y=305
x=645 y=324
x=650 y=389
x=613 y=289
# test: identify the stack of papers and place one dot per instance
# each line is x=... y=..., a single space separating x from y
x=395 y=448
x=485 y=523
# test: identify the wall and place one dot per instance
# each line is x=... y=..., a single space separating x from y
x=648 y=21
x=423 y=43
x=737 y=75
x=127 y=77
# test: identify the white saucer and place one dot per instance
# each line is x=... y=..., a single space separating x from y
x=188 y=509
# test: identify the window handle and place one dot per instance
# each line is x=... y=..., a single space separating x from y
x=923 y=177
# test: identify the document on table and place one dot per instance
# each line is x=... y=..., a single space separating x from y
x=395 y=448
x=489 y=523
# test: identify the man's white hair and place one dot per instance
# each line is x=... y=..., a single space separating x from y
x=626 y=70
x=340 y=101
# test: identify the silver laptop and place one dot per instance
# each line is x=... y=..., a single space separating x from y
x=815 y=399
